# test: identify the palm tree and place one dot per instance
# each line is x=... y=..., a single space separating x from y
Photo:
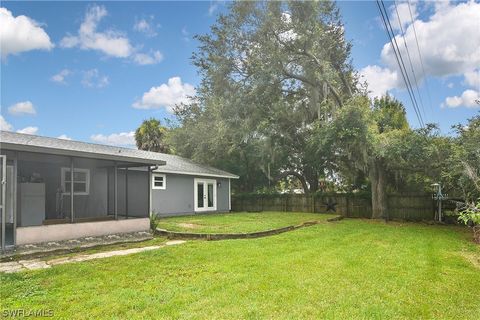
x=150 y=136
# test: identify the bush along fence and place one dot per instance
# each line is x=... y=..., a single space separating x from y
x=402 y=207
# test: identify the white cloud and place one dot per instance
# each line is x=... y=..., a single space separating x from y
x=22 y=108
x=166 y=95
x=146 y=26
x=64 y=137
x=111 y=43
x=28 y=130
x=213 y=7
x=472 y=78
x=4 y=125
x=20 y=34
x=379 y=80
x=117 y=139
x=446 y=50
x=146 y=59
x=467 y=99
x=185 y=34
x=93 y=79
x=60 y=77
x=404 y=13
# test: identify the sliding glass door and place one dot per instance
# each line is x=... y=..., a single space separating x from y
x=205 y=191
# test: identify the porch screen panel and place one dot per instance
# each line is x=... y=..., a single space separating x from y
x=42 y=196
x=91 y=186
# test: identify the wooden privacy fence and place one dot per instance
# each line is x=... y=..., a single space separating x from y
x=404 y=207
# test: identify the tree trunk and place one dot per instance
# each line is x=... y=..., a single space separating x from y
x=297 y=175
x=313 y=182
x=378 y=181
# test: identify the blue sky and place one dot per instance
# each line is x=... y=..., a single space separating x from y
x=93 y=71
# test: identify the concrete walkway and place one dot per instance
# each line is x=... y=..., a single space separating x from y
x=35 y=264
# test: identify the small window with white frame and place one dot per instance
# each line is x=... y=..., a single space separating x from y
x=81 y=181
x=159 y=181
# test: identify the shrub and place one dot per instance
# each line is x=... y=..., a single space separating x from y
x=153 y=221
x=470 y=216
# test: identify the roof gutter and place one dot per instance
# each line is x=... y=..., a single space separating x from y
x=231 y=176
x=82 y=154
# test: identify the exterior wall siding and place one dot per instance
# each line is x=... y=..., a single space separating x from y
x=178 y=197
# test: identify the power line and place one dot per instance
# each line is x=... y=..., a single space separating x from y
x=408 y=82
x=420 y=56
x=398 y=57
x=409 y=58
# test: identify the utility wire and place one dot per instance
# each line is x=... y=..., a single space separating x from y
x=409 y=59
x=409 y=83
x=398 y=57
x=420 y=56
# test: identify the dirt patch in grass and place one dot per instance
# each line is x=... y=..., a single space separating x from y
x=472 y=258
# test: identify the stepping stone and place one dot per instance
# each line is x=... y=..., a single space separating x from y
x=174 y=242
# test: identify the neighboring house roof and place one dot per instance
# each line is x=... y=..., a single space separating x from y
x=169 y=163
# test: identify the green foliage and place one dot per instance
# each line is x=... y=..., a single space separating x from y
x=153 y=221
x=271 y=70
x=471 y=214
x=462 y=168
x=150 y=136
x=279 y=106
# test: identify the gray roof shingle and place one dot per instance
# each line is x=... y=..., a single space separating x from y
x=166 y=162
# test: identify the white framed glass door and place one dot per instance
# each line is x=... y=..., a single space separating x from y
x=205 y=194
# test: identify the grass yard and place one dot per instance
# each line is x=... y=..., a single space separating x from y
x=238 y=222
x=345 y=270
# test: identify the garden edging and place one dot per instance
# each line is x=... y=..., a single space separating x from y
x=227 y=236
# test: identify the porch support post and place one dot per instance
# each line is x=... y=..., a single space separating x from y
x=115 y=191
x=149 y=178
x=126 y=192
x=72 y=214
x=3 y=187
x=14 y=186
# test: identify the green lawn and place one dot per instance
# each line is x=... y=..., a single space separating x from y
x=238 y=222
x=352 y=269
